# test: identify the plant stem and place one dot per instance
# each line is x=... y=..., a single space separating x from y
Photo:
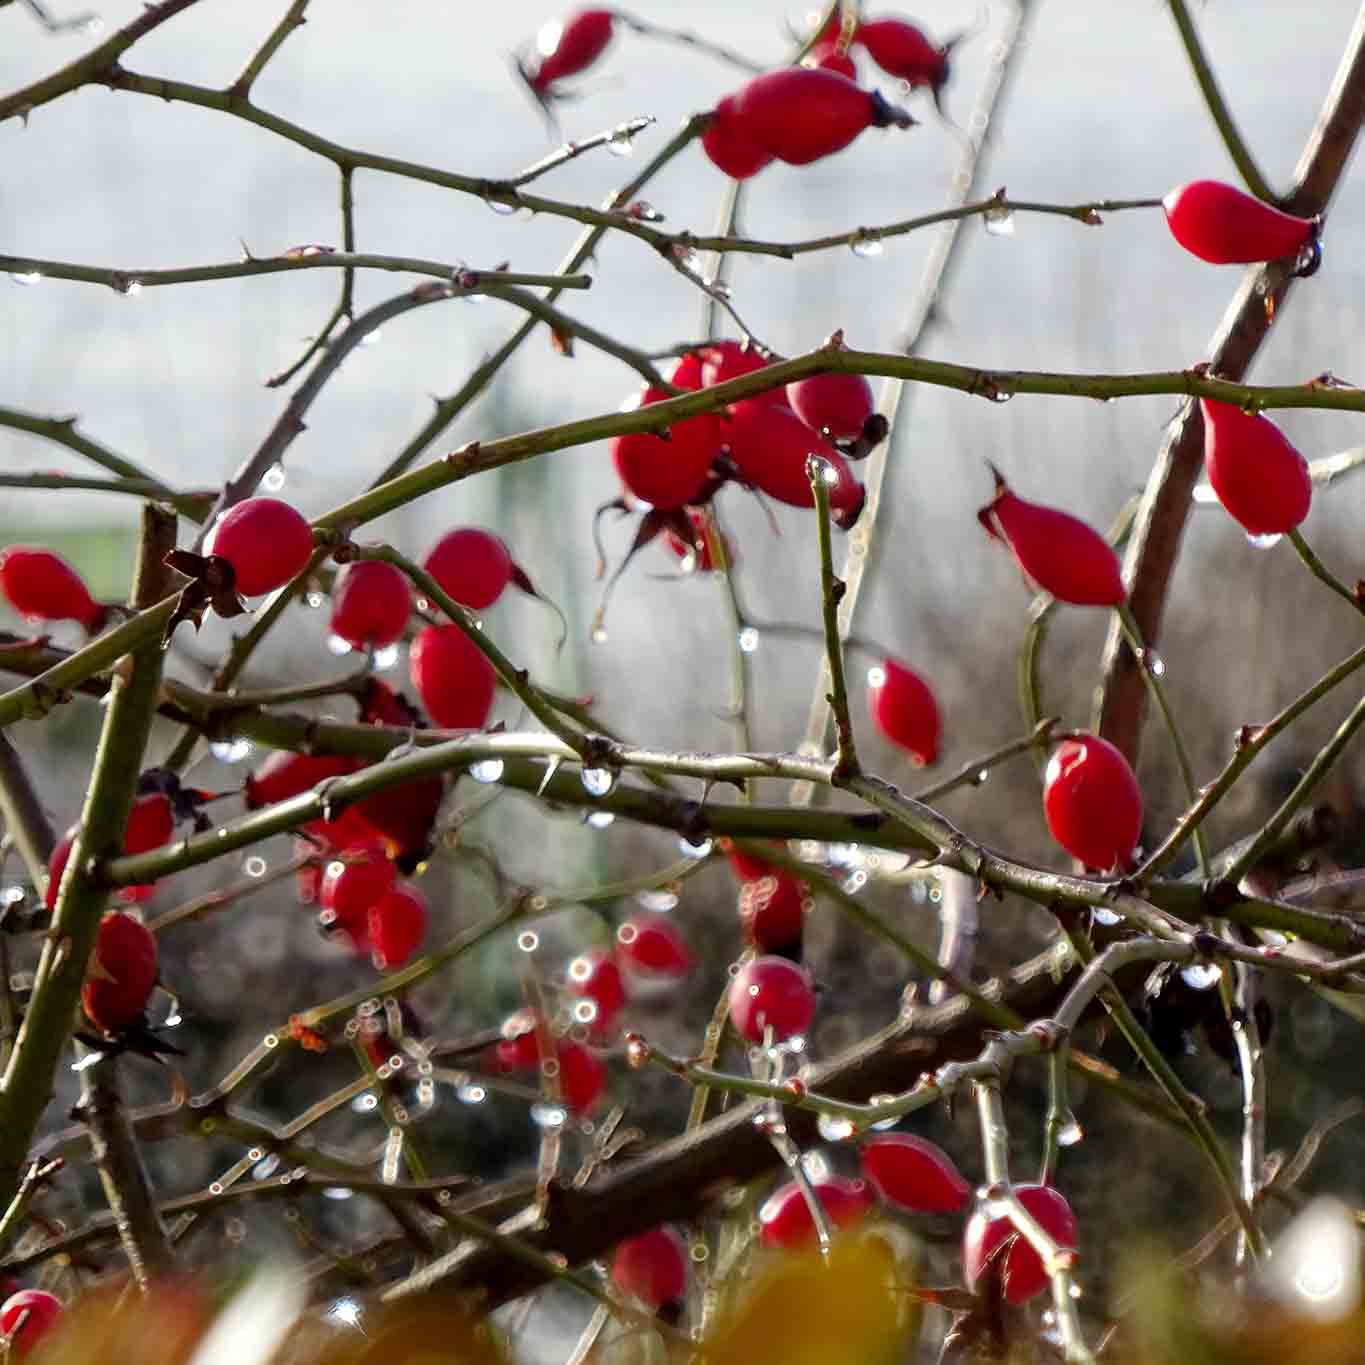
x=831 y=592
x=1321 y=572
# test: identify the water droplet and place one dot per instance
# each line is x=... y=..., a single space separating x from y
x=487 y=770
x=365 y=1104
x=314 y=600
x=1105 y=917
x=621 y=143
x=471 y=1094
x=1263 y=542
x=1201 y=975
x=981 y=776
x=372 y=338
x=999 y=221
x=548 y=1115
x=661 y=901
x=265 y=1167
x=876 y=677
x=1204 y=494
x=686 y=258
x=1070 y=1132
x=501 y=209
x=598 y=781
x=644 y=212
x=867 y=248
x=338 y=1192
x=748 y=640
x=384 y=659
x=1154 y=663
x=344 y=1312
x=132 y=289
x=274 y=478
x=255 y=866
x=26 y=277
x=599 y=635
x=336 y=645
x=690 y=850
x=834 y=1128
x=12 y=895
x=528 y=941
x=585 y=1011
x=883 y=1124
x=599 y=819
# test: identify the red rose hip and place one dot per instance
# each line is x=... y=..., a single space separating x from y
x=904 y=710
x=41 y=585
x=1260 y=478
x=594 y=979
x=836 y=405
x=651 y=1267
x=1224 y=226
x=266 y=541
x=567 y=47
x=771 y=993
x=914 y=1174
x=666 y=473
x=997 y=1242
x=651 y=946
x=453 y=679
x=1092 y=802
x=371 y=602
x=784 y=1218
x=123 y=973
x=357 y=879
x=26 y=1318
x=397 y=926
x=729 y=144
x=772 y=910
x=472 y=565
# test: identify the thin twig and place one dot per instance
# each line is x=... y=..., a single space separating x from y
x=620 y=136
x=294 y=18
x=831 y=592
x=1321 y=572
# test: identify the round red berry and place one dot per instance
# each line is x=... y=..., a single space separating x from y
x=651 y=1267
x=472 y=565
x=904 y=710
x=914 y=1173
x=453 y=679
x=397 y=926
x=595 y=979
x=40 y=584
x=582 y=1076
x=730 y=145
x=27 y=1317
x=566 y=47
x=266 y=541
x=772 y=910
x=151 y=822
x=666 y=473
x=835 y=404
x=371 y=603
x=1260 y=478
x=989 y=1242
x=771 y=993
x=285 y=774
x=356 y=879
x=784 y=1218
x=1092 y=802
x=651 y=945
x=122 y=975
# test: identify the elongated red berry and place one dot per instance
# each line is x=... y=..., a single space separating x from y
x=800 y=115
x=837 y=405
x=356 y=879
x=729 y=144
x=567 y=47
x=784 y=1218
x=771 y=993
x=453 y=679
x=748 y=867
x=772 y=910
x=989 y=1242
x=371 y=603
x=1260 y=478
x=904 y=710
x=770 y=444
x=285 y=774
x=582 y=1076
x=519 y=1047
x=828 y=57
x=1222 y=225
x=266 y=541
x=397 y=926
x=1059 y=552
x=41 y=585
x=56 y=865
x=903 y=50
x=914 y=1173
x=651 y=1267
x=151 y=822
x=404 y=816
x=26 y=1318
x=595 y=980
x=308 y=878
x=1092 y=802
x=650 y=945
x=473 y=565
x=122 y=975
x=666 y=472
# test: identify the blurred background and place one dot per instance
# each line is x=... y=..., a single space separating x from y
x=1102 y=105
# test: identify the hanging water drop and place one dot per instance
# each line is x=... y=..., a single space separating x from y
x=1069 y=1131
x=384 y=659
x=999 y=220
x=1104 y=917
x=550 y=1116
x=314 y=600
x=232 y=750
x=876 y=677
x=598 y=781
x=487 y=770
x=504 y=210
x=471 y=1094
x=599 y=819
x=336 y=645
x=834 y=1128
x=883 y=1124
x=621 y=143
x=274 y=478
x=1201 y=975
x=698 y=850
x=659 y=901
x=26 y=277
x=867 y=248
x=1264 y=542
x=372 y=338
x=748 y=640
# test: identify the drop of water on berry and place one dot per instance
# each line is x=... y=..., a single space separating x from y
x=599 y=819
x=336 y=645
x=487 y=770
x=230 y=750
x=274 y=478
x=748 y=640
x=867 y=248
x=834 y=1128
x=471 y=1094
x=1264 y=542
x=660 y=901
x=384 y=659
x=999 y=221
x=690 y=850
x=598 y=781
x=26 y=277
x=1070 y=1132
x=1201 y=975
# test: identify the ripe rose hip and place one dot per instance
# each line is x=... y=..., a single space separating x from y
x=772 y=910
x=729 y=145
x=285 y=774
x=381 y=705
x=453 y=679
x=582 y=1076
x=784 y=1217
x=473 y=565
x=800 y=115
x=404 y=816
x=56 y=865
x=914 y=1174
x=265 y=540
x=116 y=993
x=40 y=584
x=357 y=879
x=904 y=710
x=594 y=977
x=651 y=1267
x=520 y=1045
x=1222 y=225
x=666 y=473
x=567 y=47
x=1059 y=552
x=987 y=1240
x=26 y=1318
x=1260 y=478
x=722 y=360
x=827 y=57
x=650 y=946
x=151 y=822
x=770 y=445
x=1092 y=802
x=836 y=405
x=771 y=993
x=371 y=602
x=904 y=51
x=748 y=867
x=397 y=925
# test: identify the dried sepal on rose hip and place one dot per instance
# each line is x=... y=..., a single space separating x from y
x=1059 y=553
